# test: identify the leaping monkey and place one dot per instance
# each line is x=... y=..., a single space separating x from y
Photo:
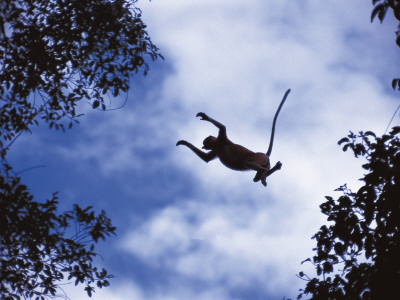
x=235 y=156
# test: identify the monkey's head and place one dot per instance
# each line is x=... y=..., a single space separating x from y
x=210 y=142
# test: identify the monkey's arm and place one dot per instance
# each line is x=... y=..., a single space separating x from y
x=221 y=127
x=203 y=155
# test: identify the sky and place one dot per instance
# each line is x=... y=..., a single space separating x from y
x=191 y=230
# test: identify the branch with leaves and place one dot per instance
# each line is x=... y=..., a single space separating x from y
x=357 y=256
x=40 y=248
x=66 y=52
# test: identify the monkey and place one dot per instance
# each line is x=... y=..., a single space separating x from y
x=235 y=156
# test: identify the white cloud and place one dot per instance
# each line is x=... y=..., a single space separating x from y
x=212 y=243
x=234 y=60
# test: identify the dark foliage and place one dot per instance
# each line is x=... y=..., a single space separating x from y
x=357 y=256
x=53 y=55
x=56 y=53
x=380 y=9
x=35 y=252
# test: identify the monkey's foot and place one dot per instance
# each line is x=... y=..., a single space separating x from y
x=263 y=181
x=278 y=166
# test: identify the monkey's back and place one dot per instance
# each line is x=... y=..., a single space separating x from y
x=233 y=156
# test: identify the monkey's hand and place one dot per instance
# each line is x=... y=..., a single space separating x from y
x=182 y=142
x=203 y=116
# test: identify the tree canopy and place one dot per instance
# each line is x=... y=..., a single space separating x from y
x=38 y=248
x=56 y=53
x=53 y=55
x=357 y=256
x=380 y=9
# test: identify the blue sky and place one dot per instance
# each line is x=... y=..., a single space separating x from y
x=190 y=230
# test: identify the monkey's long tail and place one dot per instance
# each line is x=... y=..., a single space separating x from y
x=271 y=142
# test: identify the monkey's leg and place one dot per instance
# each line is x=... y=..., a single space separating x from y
x=269 y=172
x=261 y=170
x=259 y=175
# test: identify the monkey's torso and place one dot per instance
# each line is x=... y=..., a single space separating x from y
x=236 y=157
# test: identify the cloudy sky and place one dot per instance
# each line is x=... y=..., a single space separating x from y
x=191 y=230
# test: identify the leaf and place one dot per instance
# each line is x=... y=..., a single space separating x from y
x=395 y=130
x=327 y=266
x=306 y=260
x=343 y=140
x=89 y=289
x=396 y=82
x=380 y=11
x=339 y=248
x=95 y=104
x=370 y=133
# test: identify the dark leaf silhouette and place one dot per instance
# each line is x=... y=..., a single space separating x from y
x=357 y=255
x=380 y=9
x=59 y=53
x=39 y=248
x=54 y=55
